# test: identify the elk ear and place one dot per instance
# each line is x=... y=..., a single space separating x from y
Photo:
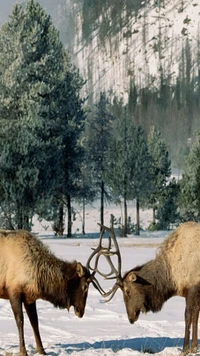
x=131 y=277
x=80 y=270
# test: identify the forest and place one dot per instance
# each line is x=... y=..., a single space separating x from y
x=58 y=147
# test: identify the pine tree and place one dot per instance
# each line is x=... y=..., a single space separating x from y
x=118 y=175
x=141 y=179
x=29 y=46
x=99 y=135
x=189 y=199
x=70 y=125
x=40 y=109
x=167 y=212
x=160 y=168
x=129 y=165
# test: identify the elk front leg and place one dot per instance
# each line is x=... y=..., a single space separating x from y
x=191 y=318
x=188 y=322
x=33 y=317
x=16 y=304
x=195 y=331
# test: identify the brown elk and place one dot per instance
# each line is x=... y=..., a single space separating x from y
x=175 y=271
x=29 y=271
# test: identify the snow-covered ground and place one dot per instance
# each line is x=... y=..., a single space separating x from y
x=104 y=330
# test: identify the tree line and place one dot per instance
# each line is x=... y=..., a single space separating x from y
x=56 y=150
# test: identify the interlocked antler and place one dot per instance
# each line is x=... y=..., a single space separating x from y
x=107 y=253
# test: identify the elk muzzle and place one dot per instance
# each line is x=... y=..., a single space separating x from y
x=79 y=312
x=133 y=317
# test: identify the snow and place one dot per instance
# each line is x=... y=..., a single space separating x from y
x=104 y=329
x=158 y=35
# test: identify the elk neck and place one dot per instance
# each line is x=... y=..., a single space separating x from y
x=162 y=288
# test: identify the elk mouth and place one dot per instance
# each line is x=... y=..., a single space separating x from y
x=79 y=313
x=136 y=316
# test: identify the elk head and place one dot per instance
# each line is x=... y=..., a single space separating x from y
x=131 y=284
x=78 y=289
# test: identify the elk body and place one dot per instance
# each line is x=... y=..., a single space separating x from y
x=175 y=271
x=29 y=271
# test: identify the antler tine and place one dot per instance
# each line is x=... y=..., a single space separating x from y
x=112 y=253
x=97 y=285
x=98 y=251
x=107 y=253
x=111 y=293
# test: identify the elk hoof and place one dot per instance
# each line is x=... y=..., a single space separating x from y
x=23 y=353
x=193 y=350
x=189 y=352
x=184 y=353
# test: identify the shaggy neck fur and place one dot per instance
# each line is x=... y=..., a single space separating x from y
x=55 y=289
x=162 y=287
x=51 y=275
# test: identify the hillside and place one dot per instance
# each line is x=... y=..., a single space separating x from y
x=112 y=43
x=121 y=45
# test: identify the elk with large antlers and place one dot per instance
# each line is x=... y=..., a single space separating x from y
x=29 y=271
x=175 y=271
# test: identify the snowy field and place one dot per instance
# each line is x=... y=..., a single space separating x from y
x=104 y=329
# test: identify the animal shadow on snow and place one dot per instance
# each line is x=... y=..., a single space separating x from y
x=151 y=345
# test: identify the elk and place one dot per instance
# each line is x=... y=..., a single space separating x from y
x=175 y=271
x=30 y=271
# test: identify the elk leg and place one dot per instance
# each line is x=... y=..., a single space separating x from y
x=191 y=317
x=188 y=322
x=16 y=304
x=195 y=331
x=33 y=317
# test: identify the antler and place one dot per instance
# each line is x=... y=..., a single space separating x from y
x=107 y=253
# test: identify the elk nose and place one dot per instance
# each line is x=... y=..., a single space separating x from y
x=131 y=320
x=79 y=312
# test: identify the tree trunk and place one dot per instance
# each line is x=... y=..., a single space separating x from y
x=83 y=220
x=111 y=221
x=9 y=218
x=26 y=224
x=154 y=216
x=69 y=214
x=60 y=219
x=137 y=217
x=102 y=204
x=125 y=217
x=19 y=216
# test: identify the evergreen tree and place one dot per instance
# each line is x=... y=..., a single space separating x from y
x=99 y=135
x=121 y=152
x=129 y=165
x=141 y=179
x=39 y=106
x=189 y=199
x=70 y=125
x=167 y=212
x=160 y=168
x=30 y=49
